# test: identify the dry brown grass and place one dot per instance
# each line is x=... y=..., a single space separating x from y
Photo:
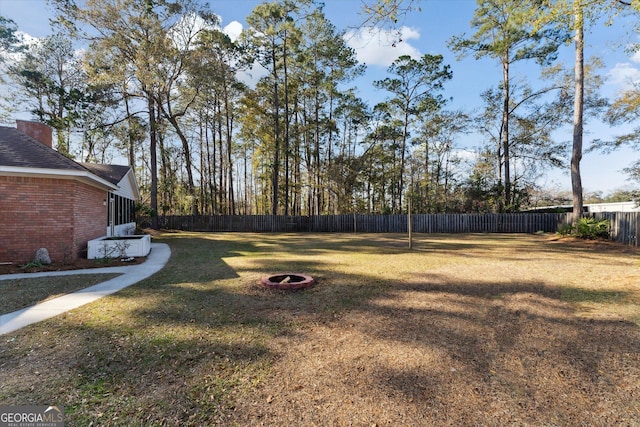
x=464 y=330
x=24 y=292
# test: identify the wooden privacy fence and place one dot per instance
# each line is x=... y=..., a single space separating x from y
x=624 y=225
x=422 y=223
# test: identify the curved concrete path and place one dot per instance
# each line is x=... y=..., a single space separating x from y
x=131 y=274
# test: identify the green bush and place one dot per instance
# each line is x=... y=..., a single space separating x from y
x=591 y=228
x=565 y=230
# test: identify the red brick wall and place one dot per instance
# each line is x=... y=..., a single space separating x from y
x=90 y=216
x=58 y=214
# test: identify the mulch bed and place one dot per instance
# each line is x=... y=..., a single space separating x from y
x=78 y=264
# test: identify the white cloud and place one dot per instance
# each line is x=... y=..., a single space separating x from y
x=375 y=46
x=233 y=30
x=625 y=75
x=28 y=39
x=183 y=32
x=467 y=155
x=251 y=76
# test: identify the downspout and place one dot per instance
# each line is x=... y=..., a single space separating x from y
x=112 y=213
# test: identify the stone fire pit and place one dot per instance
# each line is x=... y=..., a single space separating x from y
x=287 y=281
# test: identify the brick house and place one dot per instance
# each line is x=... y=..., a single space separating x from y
x=50 y=201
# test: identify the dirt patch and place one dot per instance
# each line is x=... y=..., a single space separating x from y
x=593 y=244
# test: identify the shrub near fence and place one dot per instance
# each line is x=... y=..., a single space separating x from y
x=624 y=225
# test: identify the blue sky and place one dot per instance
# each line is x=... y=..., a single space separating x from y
x=427 y=32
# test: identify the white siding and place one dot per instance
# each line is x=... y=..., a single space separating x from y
x=613 y=207
x=127 y=187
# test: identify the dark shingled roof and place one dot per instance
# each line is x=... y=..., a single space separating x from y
x=20 y=150
x=111 y=173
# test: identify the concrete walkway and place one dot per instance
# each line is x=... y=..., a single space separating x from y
x=131 y=274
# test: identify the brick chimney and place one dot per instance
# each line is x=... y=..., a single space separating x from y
x=35 y=130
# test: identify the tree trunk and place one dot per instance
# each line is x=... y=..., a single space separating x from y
x=222 y=176
x=403 y=149
x=231 y=197
x=130 y=139
x=276 y=136
x=427 y=186
x=578 y=107
x=229 y=132
x=166 y=190
x=505 y=134
x=286 y=126
x=318 y=181
x=153 y=160
x=215 y=206
x=191 y=189
x=202 y=189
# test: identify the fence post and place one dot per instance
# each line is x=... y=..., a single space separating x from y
x=410 y=225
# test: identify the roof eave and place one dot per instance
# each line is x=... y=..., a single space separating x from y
x=84 y=176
